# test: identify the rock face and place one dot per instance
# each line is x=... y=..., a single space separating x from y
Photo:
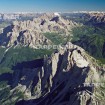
x=68 y=77
x=30 y=33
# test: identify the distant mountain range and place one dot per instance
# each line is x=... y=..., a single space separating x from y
x=17 y=16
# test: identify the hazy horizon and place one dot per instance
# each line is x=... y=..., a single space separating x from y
x=11 y=6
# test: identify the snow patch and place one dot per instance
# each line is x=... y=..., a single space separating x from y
x=56 y=14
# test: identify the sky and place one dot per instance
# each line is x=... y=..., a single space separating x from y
x=9 y=6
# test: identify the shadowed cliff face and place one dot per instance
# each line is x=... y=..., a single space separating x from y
x=65 y=78
x=30 y=64
x=4 y=36
x=64 y=91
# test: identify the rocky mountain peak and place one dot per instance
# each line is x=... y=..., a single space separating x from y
x=70 y=71
x=30 y=33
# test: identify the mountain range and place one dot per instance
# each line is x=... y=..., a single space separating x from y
x=73 y=74
x=30 y=33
